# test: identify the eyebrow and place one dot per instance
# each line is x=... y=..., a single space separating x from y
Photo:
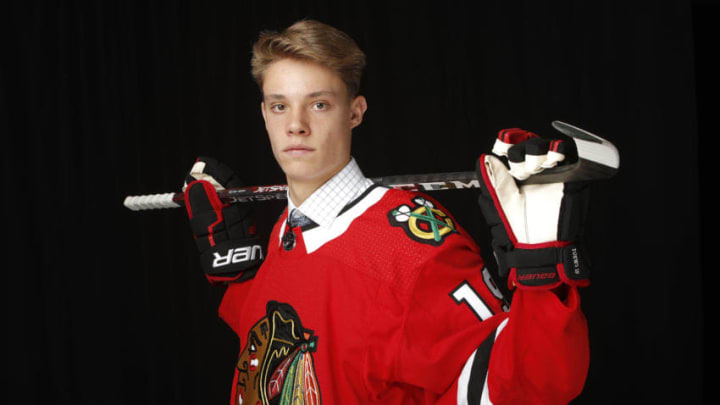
x=310 y=95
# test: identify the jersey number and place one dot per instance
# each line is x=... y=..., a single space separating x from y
x=467 y=294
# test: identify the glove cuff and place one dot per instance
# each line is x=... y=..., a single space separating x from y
x=232 y=277
x=545 y=268
x=230 y=258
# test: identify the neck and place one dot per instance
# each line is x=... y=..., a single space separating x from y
x=300 y=190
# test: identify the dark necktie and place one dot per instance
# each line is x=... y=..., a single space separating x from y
x=295 y=219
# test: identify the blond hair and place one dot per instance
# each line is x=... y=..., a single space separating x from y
x=312 y=41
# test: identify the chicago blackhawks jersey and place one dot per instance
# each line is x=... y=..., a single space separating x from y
x=389 y=302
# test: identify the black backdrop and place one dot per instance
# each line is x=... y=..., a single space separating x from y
x=106 y=99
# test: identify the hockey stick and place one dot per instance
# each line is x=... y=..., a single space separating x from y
x=411 y=182
x=597 y=159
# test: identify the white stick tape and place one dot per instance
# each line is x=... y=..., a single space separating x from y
x=150 y=202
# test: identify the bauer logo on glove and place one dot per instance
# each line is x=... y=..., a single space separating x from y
x=224 y=233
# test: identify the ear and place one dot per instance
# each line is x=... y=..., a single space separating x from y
x=262 y=109
x=357 y=110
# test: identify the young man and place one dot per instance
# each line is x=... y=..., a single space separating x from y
x=368 y=294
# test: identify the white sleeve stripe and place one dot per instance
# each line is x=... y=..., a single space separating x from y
x=475 y=373
x=464 y=380
x=485 y=400
x=501 y=327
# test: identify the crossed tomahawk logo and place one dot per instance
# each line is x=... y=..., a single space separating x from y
x=422 y=222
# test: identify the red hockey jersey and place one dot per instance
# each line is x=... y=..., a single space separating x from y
x=391 y=304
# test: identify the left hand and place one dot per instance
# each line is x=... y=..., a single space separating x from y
x=535 y=228
x=230 y=250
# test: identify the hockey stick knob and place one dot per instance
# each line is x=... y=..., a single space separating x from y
x=150 y=202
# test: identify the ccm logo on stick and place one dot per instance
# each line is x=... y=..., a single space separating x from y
x=238 y=255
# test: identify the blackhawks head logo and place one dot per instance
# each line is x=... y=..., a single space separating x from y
x=276 y=366
x=422 y=221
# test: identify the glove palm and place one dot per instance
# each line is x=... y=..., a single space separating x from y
x=535 y=227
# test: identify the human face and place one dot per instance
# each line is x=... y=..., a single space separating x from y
x=309 y=118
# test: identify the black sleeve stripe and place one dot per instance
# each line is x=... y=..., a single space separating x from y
x=479 y=370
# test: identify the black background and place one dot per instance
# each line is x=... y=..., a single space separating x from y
x=101 y=100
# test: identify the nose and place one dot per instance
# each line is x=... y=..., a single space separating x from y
x=298 y=125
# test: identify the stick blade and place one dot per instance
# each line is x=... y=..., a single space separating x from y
x=598 y=159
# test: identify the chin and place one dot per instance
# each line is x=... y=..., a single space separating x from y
x=307 y=172
x=305 y=177
x=297 y=172
x=319 y=176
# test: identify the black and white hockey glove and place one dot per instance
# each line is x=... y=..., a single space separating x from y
x=535 y=227
x=225 y=234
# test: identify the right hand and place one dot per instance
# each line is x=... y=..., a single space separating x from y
x=536 y=228
x=224 y=233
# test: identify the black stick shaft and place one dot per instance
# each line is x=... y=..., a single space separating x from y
x=411 y=182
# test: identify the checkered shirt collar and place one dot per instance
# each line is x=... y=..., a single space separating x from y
x=325 y=203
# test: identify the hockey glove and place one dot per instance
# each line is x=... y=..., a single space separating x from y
x=535 y=228
x=225 y=234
